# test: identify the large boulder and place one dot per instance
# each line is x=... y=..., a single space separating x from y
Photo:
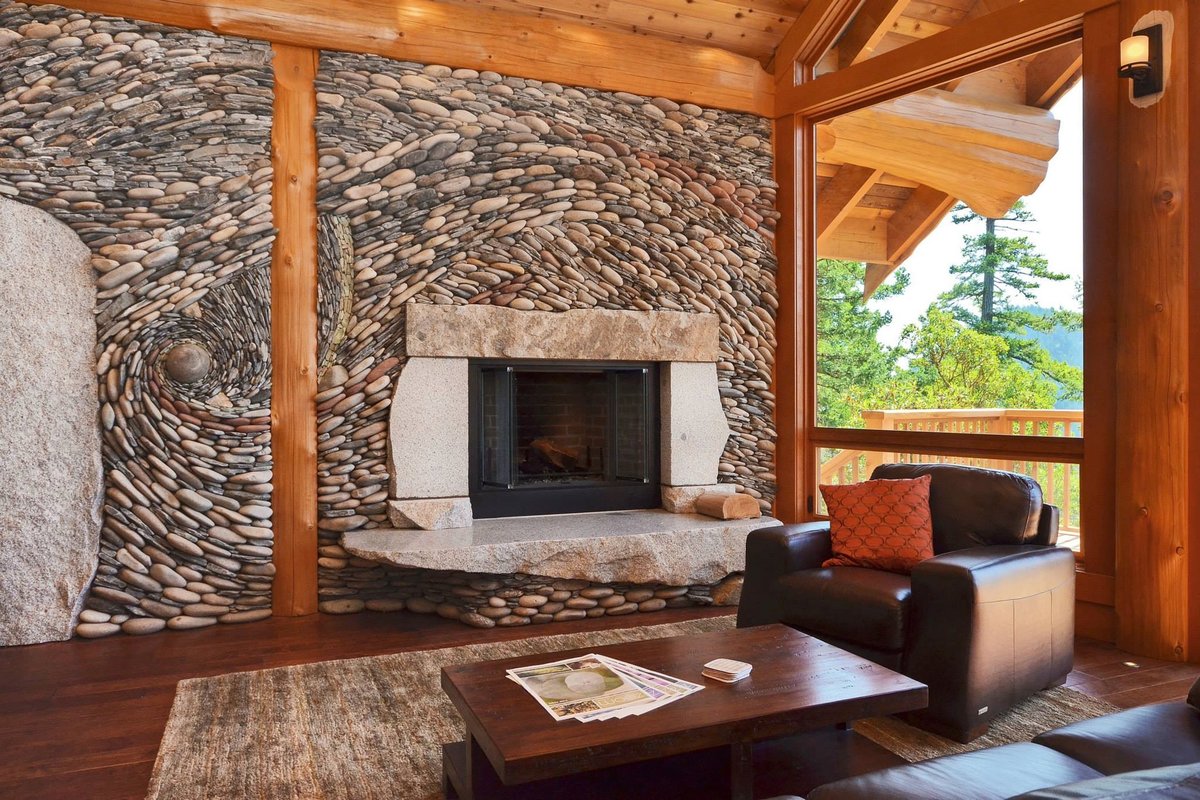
x=50 y=473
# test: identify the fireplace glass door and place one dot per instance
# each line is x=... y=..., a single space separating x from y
x=562 y=437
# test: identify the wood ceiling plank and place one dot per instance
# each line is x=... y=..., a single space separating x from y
x=511 y=43
x=840 y=195
x=756 y=40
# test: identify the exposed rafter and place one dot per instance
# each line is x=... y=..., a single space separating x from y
x=872 y=23
x=841 y=195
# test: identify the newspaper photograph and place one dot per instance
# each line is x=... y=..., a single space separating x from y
x=579 y=686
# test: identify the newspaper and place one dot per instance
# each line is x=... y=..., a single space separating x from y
x=594 y=687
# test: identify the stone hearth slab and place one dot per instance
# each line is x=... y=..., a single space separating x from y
x=651 y=546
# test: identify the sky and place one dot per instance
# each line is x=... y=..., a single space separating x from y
x=1057 y=207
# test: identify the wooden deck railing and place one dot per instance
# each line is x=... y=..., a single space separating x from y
x=1060 y=482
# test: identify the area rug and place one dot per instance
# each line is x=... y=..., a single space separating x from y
x=372 y=728
x=1044 y=711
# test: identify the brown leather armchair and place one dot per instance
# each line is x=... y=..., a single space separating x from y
x=986 y=622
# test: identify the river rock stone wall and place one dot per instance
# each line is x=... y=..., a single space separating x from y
x=153 y=145
x=466 y=187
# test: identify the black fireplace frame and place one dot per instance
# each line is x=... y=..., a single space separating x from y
x=610 y=494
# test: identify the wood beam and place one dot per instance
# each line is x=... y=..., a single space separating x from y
x=294 y=332
x=1016 y=32
x=811 y=36
x=511 y=43
x=922 y=212
x=1048 y=75
x=874 y=277
x=988 y=153
x=872 y=23
x=1154 y=500
x=840 y=196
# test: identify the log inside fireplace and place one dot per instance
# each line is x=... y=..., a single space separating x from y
x=557 y=437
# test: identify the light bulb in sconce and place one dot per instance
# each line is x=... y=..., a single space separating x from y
x=1142 y=61
x=1135 y=55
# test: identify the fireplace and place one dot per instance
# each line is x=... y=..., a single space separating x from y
x=557 y=437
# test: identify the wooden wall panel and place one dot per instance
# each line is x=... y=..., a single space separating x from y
x=294 y=332
x=1153 y=319
x=522 y=45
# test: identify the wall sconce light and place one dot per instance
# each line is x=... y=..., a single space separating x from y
x=1142 y=60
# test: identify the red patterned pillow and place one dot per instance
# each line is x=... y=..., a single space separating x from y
x=884 y=524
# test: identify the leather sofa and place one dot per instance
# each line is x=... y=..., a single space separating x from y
x=985 y=623
x=1147 y=753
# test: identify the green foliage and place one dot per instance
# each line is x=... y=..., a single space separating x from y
x=849 y=354
x=1001 y=270
x=953 y=366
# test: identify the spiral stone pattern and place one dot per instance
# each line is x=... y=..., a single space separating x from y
x=152 y=143
x=467 y=187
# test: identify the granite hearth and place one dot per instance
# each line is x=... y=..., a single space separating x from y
x=651 y=546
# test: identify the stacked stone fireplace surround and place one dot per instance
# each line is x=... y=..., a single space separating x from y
x=437 y=186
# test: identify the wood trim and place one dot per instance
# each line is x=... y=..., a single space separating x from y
x=790 y=365
x=1193 y=536
x=811 y=35
x=294 y=332
x=986 y=445
x=1100 y=194
x=1152 y=494
x=1022 y=30
x=481 y=38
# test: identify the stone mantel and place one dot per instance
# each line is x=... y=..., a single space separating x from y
x=591 y=334
x=611 y=547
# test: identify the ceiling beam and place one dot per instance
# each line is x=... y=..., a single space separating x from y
x=871 y=24
x=840 y=195
x=521 y=45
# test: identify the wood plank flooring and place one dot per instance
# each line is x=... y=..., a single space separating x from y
x=82 y=719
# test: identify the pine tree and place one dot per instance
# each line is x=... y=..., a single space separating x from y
x=997 y=281
x=849 y=355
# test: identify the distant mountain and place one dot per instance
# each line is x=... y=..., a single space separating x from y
x=1062 y=345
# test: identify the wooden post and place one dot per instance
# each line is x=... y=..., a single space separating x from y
x=790 y=450
x=1153 y=324
x=294 y=332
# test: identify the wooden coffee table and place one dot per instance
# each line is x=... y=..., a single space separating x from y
x=799 y=683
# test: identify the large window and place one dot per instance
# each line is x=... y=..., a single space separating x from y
x=948 y=282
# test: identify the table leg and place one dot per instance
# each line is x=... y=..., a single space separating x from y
x=741 y=771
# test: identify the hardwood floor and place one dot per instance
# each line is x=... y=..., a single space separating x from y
x=82 y=719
